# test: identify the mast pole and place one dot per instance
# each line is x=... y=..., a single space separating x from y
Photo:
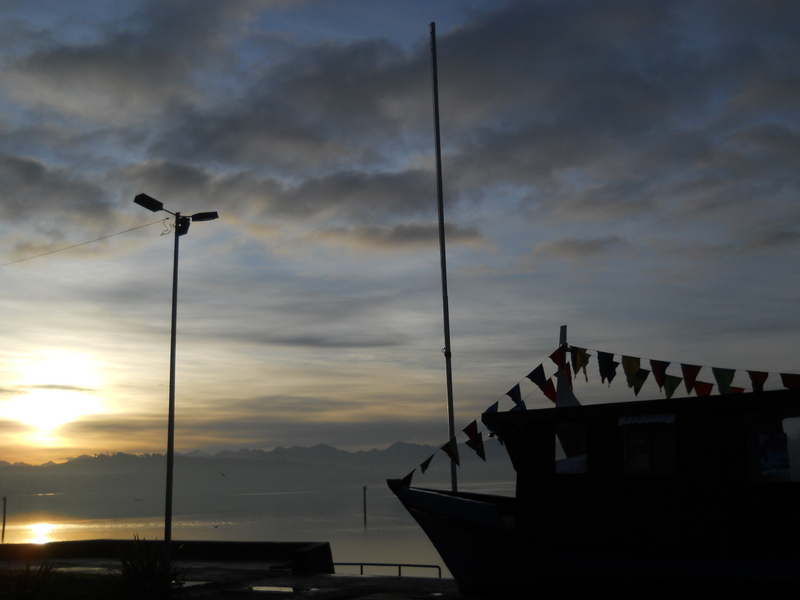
x=443 y=257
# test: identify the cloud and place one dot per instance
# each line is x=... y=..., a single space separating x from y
x=422 y=236
x=578 y=251
x=146 y=60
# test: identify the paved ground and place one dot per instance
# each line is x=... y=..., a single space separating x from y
x=251 y=581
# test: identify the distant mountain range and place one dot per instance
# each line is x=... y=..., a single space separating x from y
x=104 y=485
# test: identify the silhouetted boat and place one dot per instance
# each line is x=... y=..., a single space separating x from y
x=697 y=489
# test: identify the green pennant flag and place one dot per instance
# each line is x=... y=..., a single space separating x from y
x=671 y=383
x=724 y=378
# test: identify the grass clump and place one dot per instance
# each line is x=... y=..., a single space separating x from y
x=147 y=572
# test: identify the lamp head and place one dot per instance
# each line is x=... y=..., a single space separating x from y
x=148 y=202
x=205 y=216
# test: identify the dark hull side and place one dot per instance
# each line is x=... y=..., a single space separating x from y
x=478 y=541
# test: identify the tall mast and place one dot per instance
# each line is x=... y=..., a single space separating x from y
x=443 y=257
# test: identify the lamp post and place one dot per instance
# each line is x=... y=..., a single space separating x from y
x=181 y=228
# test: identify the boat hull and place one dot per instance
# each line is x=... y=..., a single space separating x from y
x=479 y=543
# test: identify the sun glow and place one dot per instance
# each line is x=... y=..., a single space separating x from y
x=55 y=387
x=40 y=533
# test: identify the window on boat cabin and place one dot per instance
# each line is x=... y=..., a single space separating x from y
x=571 y=445
x=775 y=449
x=648 y=445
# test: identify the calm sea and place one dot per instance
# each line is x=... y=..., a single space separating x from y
x=335 y=516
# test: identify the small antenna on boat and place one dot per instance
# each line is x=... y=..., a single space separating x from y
x=443 y=256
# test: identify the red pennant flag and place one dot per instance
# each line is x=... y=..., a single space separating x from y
x=451 y=449
x=702 y=388
x=559 y=357
x=475 y=440
x=549 y=390
x=737 y=390
x=689 y=375
x=790 y=381
x=659 y=368
x=758 y=378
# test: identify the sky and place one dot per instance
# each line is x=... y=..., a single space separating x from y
x=627 y=168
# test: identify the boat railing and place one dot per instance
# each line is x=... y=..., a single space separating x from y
x=399 y=566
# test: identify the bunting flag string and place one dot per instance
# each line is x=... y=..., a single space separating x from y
x=635 y=377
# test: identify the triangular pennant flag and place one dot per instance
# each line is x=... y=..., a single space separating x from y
x=724 y=378
x=579 y=360
x=630 y=365
x=702 y=388
x=639 y=379
x=737 y=390
x=607 y=365
x=790 y=381
x=475 y=440
x=689 y=375
x=425 y=464
x=493 y=408
x=537 y=376
x=549 y=390
x=520 y=406
x=758 y=378
x=515 y=394
x=671 y=383
x=559 y=357
x=568 y=373
x=659 y=368
x=406 y=481
x=451 y=449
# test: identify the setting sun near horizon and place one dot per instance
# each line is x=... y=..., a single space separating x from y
x=50 y=388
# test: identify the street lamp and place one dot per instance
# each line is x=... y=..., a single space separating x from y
x=181 y=228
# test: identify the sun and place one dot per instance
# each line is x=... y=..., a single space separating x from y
x=54 y=388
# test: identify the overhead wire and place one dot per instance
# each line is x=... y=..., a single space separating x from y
x=105 y=237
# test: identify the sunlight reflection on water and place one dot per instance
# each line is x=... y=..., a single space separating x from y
x=391 y=535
